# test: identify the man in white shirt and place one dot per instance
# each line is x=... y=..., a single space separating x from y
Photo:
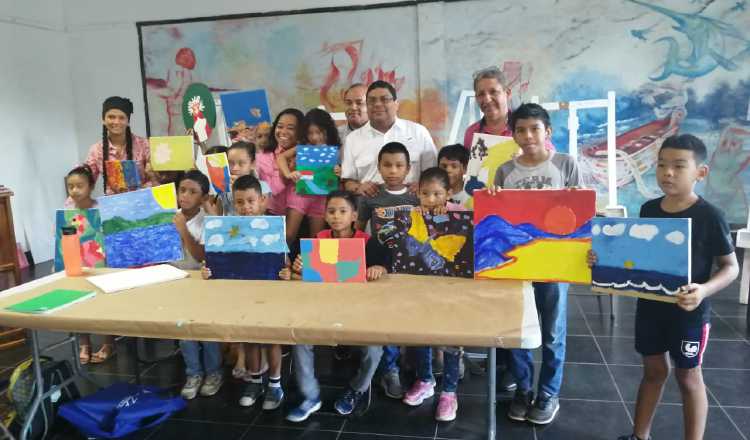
x=359 y=167
x=356 y=110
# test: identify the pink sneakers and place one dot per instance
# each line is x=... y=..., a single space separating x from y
x=418 y=392
x=447 y=407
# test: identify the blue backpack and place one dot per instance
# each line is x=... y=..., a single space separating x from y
x=120 y=409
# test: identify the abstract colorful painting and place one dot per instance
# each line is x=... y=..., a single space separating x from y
x=122 y=175
x=643 y=257
x=333 y=260
x=88 y=225
x=250 y=107
x=245 y=248
x=424 y=244
x=218 y=173
x=315 y=163
x=138 y=227
x=486 y=154
x=172 y=153
x=537 y=235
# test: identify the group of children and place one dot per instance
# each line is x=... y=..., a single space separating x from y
x=263 y=179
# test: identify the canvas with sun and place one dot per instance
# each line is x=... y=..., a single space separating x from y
x=138 y=227
x=536 y=235
x=643 y=257
x=171 y=153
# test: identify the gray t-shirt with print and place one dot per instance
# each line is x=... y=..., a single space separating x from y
x=559 y=171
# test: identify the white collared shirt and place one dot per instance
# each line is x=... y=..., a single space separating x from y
x=360 y=160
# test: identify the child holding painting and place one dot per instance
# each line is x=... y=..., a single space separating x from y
x=341 y=215
x=681 y=329
x=286 y=133
x=202 y=359
x=249 y=200
x=79 y=183
x=434 y=191
x=318 y=128
x=539 y=168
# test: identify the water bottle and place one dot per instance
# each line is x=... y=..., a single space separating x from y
x=71 y=251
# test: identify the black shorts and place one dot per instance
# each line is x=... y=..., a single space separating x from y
x=685 y=342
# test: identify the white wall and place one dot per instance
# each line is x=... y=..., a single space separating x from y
x=38 y=143
x=104 y=48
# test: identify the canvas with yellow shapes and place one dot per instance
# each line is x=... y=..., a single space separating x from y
x=424 y=244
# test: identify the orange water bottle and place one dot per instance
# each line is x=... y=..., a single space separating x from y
x=71 y=251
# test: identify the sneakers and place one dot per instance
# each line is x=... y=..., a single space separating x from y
x=212 y=384
x=418 y=392
x=544 y=410
x=630 y=437
x=447 y=407
x=302 y=412
x=274 y=397
x=345 y=404
x=192 y=385
x=391 y=384
x=252 y=392
x=507 y=382
x=520 y=404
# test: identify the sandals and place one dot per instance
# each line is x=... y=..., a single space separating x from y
x=84 y=354
x=107 y=351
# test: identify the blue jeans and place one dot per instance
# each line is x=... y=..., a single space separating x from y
x=389 y=361
x=451 y=359
x=304 y=369
x=552 y=305
x=193 y=351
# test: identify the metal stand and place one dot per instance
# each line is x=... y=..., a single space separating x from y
x=40 y=395
x=491 y=390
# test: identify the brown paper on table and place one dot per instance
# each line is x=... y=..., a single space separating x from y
x=398 y=309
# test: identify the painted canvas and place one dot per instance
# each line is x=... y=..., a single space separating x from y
x=536 y=235
x=138 y=228
x=383 y=223
x=172 y=153
x=123 y=175
x=218 y=173
x=88 y=225
x=245 y=248
x=425 y=244
x=250 y=107
x=198 y=111
x=486 y=154
x=315 y=163
x=333 y=260
x=642 y=257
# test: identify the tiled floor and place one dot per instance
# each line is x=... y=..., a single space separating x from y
x=597 y=400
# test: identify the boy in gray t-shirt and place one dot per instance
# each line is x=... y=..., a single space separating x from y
x=539 y=168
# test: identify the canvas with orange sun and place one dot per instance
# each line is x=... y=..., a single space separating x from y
x=138 y=227
x=536 y=235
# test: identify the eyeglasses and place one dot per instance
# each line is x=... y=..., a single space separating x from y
x=385 y=100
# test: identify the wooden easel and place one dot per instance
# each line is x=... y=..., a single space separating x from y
x=9 y=337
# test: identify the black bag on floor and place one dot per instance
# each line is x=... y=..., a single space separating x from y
x=22 y=390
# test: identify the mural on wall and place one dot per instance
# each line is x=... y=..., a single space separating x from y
x=677 y=66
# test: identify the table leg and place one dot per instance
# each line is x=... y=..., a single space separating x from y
x=745 y=280
x=491 y=393
x=39 y=386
